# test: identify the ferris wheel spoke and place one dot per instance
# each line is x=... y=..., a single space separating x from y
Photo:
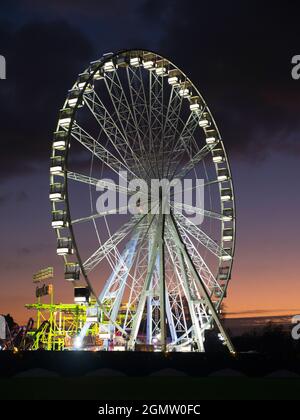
x=151 y=157
x=192 y=209
x=134 y=84
x=172 y=116
x=139 y=111
x=208 y=278
x=106 y=184
x=106 y=122
x=170 y=129
x=111 y=244
x=163 y=146
x=200 y=236
x=98 y=150
x=187 y=137
x=193 y=162
x=117 y=210
x=144 y=107
x=120 y=103
x=185 y=142
x=125 y=117
x=138 y=99
x=114 y=134
x=156 y=109
x=173 y=194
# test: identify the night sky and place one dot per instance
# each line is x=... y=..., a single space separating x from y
x=238 y=53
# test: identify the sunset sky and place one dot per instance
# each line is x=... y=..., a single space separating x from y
x=239 y=56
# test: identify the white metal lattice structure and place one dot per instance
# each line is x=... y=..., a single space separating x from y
x=136 y=114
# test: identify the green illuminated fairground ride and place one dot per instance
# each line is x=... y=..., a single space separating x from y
x=153 y=279
x=56 y=325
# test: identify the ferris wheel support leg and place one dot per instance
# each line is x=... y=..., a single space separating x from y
x=149 y=317
x=126 y=260
x=145 y=291
x=170 y=318
x=205 y=295
x=149 y=332
x=84 y=330
x=195 y=320
x=162 y=290
x=102 y=295
x=124 y=276
x=112 y=278
x=141 y=304
x=168 y=312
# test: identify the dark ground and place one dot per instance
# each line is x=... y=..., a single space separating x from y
x=138 y=376
x=147 y=388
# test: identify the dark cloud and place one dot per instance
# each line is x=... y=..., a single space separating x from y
x=239 y=55
x=84 y=8
x=43 y=62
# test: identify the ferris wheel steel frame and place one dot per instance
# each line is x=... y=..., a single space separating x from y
x=171 y=237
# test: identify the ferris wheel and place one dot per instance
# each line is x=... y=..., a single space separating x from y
x=154 y=267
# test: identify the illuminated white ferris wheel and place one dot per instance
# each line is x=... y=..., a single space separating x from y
x=155 y=277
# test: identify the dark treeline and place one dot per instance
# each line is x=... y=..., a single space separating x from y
x=268 y=340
